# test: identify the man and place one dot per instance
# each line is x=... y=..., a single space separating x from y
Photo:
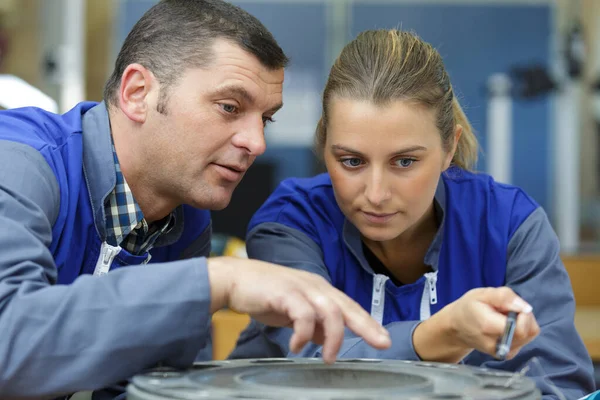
x=89 y=197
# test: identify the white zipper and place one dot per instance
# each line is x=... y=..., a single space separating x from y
x=378 y=298
x=429 y=295
x=107 y=255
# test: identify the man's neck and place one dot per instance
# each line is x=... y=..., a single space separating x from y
x=153 y=207
x=135 y=169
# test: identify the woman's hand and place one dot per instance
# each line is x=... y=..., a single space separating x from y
x=476 y=321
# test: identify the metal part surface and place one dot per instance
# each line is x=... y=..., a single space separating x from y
x=311 y=379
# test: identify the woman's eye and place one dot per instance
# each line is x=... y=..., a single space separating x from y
x=405 y=162
x=352 y=162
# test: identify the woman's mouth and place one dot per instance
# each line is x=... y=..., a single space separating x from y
x=378 y=218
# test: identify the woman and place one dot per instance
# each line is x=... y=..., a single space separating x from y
x=435 y=252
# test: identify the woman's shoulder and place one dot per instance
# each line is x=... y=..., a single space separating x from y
x=301 y=201
x=476 y=193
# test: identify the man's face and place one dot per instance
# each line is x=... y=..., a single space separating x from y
x=211 y=127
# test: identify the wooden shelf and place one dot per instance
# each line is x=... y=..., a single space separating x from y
x=227 y=326
x=587 y=322
x=584 y=272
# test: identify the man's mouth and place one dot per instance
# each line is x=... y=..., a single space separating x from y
x=235 y=168
x=231 y=172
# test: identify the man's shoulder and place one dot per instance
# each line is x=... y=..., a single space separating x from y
x=39 y=128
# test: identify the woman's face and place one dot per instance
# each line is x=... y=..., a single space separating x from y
x=385 y=163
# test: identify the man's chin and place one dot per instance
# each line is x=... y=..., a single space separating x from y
x=218 y=206
x=213 y=203
x=213 y=197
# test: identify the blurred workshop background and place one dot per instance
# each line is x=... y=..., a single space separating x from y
x=527 y=73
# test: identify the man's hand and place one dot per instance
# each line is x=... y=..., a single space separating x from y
x=280 y=296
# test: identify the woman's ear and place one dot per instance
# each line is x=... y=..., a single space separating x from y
x=450 y=156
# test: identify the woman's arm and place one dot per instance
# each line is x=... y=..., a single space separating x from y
x=536 y=272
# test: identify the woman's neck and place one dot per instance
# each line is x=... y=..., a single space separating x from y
x=404 y=255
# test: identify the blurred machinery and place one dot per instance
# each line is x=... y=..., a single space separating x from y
x=63 y=45
x=528 y=82
x=3 y=39
x=14 y=91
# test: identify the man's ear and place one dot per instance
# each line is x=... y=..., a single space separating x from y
x=450 y=156
x=136 y=84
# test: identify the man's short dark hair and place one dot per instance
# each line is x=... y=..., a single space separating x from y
x=175 y=35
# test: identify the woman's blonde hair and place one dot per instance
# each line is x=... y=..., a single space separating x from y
x=386 y=65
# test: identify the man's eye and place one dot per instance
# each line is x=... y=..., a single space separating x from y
x=268 y=120
x=228 y=108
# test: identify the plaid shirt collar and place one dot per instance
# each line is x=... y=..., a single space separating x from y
x=125 y=222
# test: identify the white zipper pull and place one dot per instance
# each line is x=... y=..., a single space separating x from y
x=377 y=288
x=429 y=295
x=432 y=280
x=378 y=297
x=107 y=255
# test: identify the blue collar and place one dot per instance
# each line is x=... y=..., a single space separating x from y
x=99 y=171
x=98 y=163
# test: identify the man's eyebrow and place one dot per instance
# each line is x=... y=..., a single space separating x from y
x=234 y=91
x=239 y=91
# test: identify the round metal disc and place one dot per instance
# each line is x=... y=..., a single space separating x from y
x=311 y=379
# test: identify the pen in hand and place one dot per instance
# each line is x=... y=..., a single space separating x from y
x=503 y=347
